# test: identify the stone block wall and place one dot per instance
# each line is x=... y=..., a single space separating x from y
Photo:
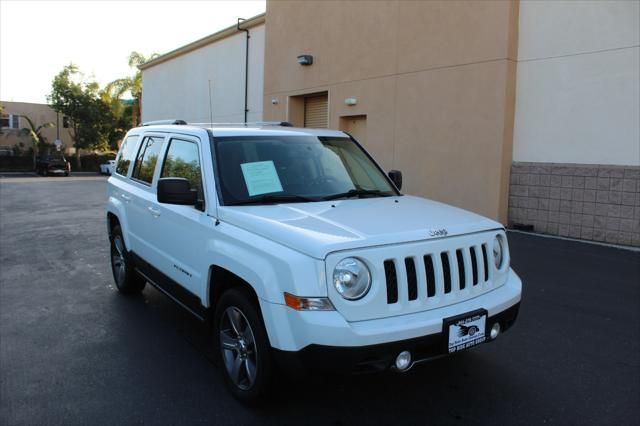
x=590 y=202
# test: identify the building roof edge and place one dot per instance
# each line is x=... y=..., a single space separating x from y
x=205 y=41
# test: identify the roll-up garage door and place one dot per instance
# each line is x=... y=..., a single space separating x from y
x=315 y=111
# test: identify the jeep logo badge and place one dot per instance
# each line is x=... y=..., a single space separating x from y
x=438 y=232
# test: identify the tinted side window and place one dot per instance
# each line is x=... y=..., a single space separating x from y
x=147 y=159
x=127 y=152
x=183 y=161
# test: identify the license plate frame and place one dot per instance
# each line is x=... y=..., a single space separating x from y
x=465 y=330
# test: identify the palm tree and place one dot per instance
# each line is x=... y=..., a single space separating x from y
x=35 y=133
x=113 y=92
x=135 y=60
x=120 y=109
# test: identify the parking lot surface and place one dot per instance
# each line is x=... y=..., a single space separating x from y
x=75 y=352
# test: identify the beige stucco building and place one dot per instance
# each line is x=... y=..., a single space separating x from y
x=433 y=84
x=13 y=120
x=525 y=111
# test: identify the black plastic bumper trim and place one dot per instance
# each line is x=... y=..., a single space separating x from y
x=363 y=359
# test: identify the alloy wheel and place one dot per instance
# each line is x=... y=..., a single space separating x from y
x=239 y=352
x=118 y=261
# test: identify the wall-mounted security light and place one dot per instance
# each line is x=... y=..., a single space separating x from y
x=305 y=59
x=274 y=101
x=350 y=101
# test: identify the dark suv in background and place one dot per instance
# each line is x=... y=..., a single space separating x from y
x=54 y=164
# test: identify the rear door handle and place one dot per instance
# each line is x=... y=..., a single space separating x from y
x=154 y=212
x=125 y=197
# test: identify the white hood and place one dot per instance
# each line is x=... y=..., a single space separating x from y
x=319 y=228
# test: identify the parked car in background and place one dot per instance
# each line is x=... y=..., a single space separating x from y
x=108 y=167
x=54 y=164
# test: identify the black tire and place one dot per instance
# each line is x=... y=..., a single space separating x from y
x=239 y=355
x=127 y=280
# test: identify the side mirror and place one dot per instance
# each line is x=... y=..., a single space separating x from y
x=176 y=191
x=396 y=178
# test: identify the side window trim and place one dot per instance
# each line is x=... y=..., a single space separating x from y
x=135 y=140
x=197 y=142
x=145 y=138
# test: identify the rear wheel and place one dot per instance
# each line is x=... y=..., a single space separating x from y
x=126 y=278
x=242 y=346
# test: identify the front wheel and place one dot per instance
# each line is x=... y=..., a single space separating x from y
x=127 y=280
x=242 y=346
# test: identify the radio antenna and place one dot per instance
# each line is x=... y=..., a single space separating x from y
x=210 y=105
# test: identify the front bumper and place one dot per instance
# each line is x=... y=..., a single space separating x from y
x=376 y=357
x=291 y=330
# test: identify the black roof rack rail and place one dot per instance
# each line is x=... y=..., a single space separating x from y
x=244 y=124
x=241 y=124
x=157 y=122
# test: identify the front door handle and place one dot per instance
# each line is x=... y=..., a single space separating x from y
x=154 y=212
x=125 y=197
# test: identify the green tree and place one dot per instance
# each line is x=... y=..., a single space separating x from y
x=35 y=134
x=121 y=109
x=126 y=112
x=90 y=118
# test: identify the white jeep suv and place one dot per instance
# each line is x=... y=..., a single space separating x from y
x=301 y=251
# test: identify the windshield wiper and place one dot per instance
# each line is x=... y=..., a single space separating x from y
x=273 y=199
x=357 y=192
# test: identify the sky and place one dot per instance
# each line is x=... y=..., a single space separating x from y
x=38 y=38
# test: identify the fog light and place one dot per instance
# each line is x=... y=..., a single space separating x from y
x=495 y=330
x=403 y=360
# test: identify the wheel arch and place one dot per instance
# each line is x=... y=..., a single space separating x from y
x=221 y=280
x=112 y=220
x=116 y=215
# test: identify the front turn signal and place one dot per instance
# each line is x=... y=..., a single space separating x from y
x=308 y=303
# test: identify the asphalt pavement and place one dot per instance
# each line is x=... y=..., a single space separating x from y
x=75 y=352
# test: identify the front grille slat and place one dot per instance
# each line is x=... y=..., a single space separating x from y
x=474 y=265
x=391 y=277
x=485 y=262
x=461 y=271
x=431 y=275
x=412 y=279
x=446 y=271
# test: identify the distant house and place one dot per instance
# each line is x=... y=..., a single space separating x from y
x=13 y=120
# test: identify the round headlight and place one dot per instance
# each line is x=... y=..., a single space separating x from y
x=351 y=278
x=498 y=251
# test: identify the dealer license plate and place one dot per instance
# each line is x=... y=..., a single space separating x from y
x=466 y=330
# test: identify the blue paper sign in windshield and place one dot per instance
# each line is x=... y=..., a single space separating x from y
x=261 y=177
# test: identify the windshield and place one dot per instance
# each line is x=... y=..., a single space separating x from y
x=265 y=169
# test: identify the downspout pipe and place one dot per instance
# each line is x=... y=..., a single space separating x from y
x=246 y=68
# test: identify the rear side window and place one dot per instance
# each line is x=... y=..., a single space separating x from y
x=127 y=153
x=147 y=159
